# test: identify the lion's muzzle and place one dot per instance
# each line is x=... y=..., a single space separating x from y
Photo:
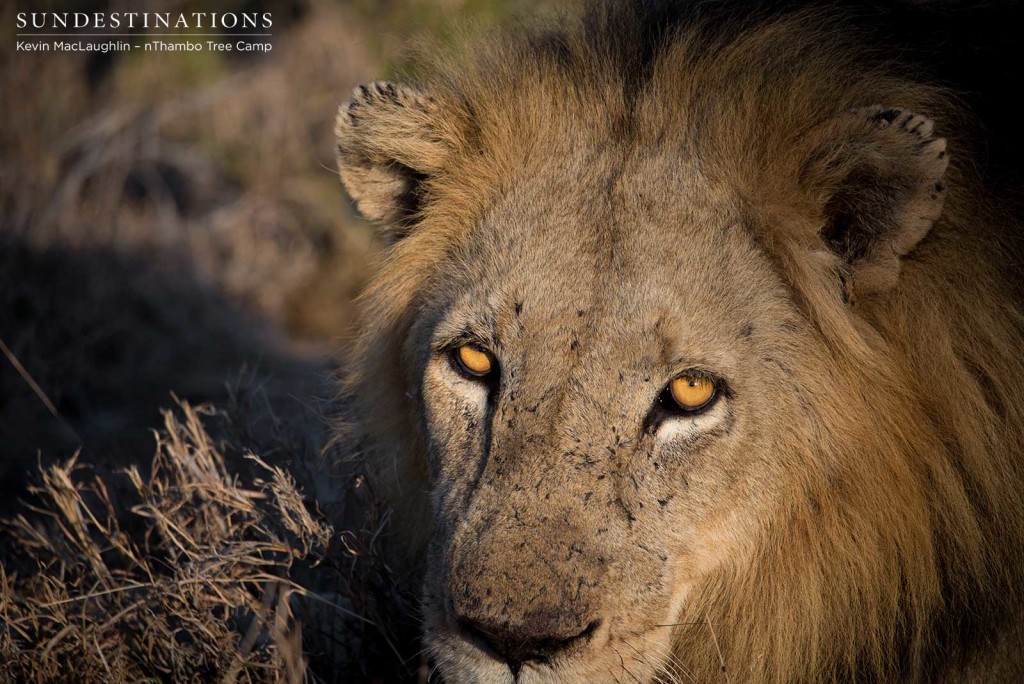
x=534 y=638
x=526 y=586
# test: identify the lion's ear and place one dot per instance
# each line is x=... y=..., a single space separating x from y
x=389 y=144
x=879 y=180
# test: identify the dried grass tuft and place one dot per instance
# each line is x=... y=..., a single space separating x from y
x=195 y=580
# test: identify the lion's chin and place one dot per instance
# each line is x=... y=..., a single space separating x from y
x=458 y=659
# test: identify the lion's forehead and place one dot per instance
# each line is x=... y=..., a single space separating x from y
x=577 y=263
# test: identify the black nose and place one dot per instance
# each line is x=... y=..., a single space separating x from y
x=533 y=639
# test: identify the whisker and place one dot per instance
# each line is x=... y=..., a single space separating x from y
x=654 y=667
x=625 y=669
x=673 y=660
x=721 y=658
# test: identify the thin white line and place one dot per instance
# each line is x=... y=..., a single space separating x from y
x=179 y=35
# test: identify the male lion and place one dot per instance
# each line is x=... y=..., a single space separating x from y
x=696 y=356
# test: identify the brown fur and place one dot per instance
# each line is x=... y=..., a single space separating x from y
x=861 y=517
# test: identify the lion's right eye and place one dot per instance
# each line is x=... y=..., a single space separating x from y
x=472 y=361
x=691 y=392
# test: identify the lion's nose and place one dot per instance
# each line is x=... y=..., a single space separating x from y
x=533 y=639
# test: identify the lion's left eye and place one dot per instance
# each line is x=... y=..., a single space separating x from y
x=691 y=392
x=473 y=361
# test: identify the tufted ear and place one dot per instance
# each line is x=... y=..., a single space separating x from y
x=879 y=180
x=389 y=143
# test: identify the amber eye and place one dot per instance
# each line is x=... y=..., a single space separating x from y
x=473 y=361
x=691 y=392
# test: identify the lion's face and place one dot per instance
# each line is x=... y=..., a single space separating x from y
x=615 y=367
x=576 y=493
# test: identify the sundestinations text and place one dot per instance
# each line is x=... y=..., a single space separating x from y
x=144 y=20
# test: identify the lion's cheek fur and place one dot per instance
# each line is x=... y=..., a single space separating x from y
x=456 y=444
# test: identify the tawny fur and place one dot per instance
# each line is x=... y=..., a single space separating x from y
x=898 y=548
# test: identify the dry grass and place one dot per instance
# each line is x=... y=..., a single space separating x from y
x=213 y=555
x=191 y=575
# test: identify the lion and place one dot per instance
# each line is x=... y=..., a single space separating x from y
x=694 y=356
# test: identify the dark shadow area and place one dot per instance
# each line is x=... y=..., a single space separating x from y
x=106 y=337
